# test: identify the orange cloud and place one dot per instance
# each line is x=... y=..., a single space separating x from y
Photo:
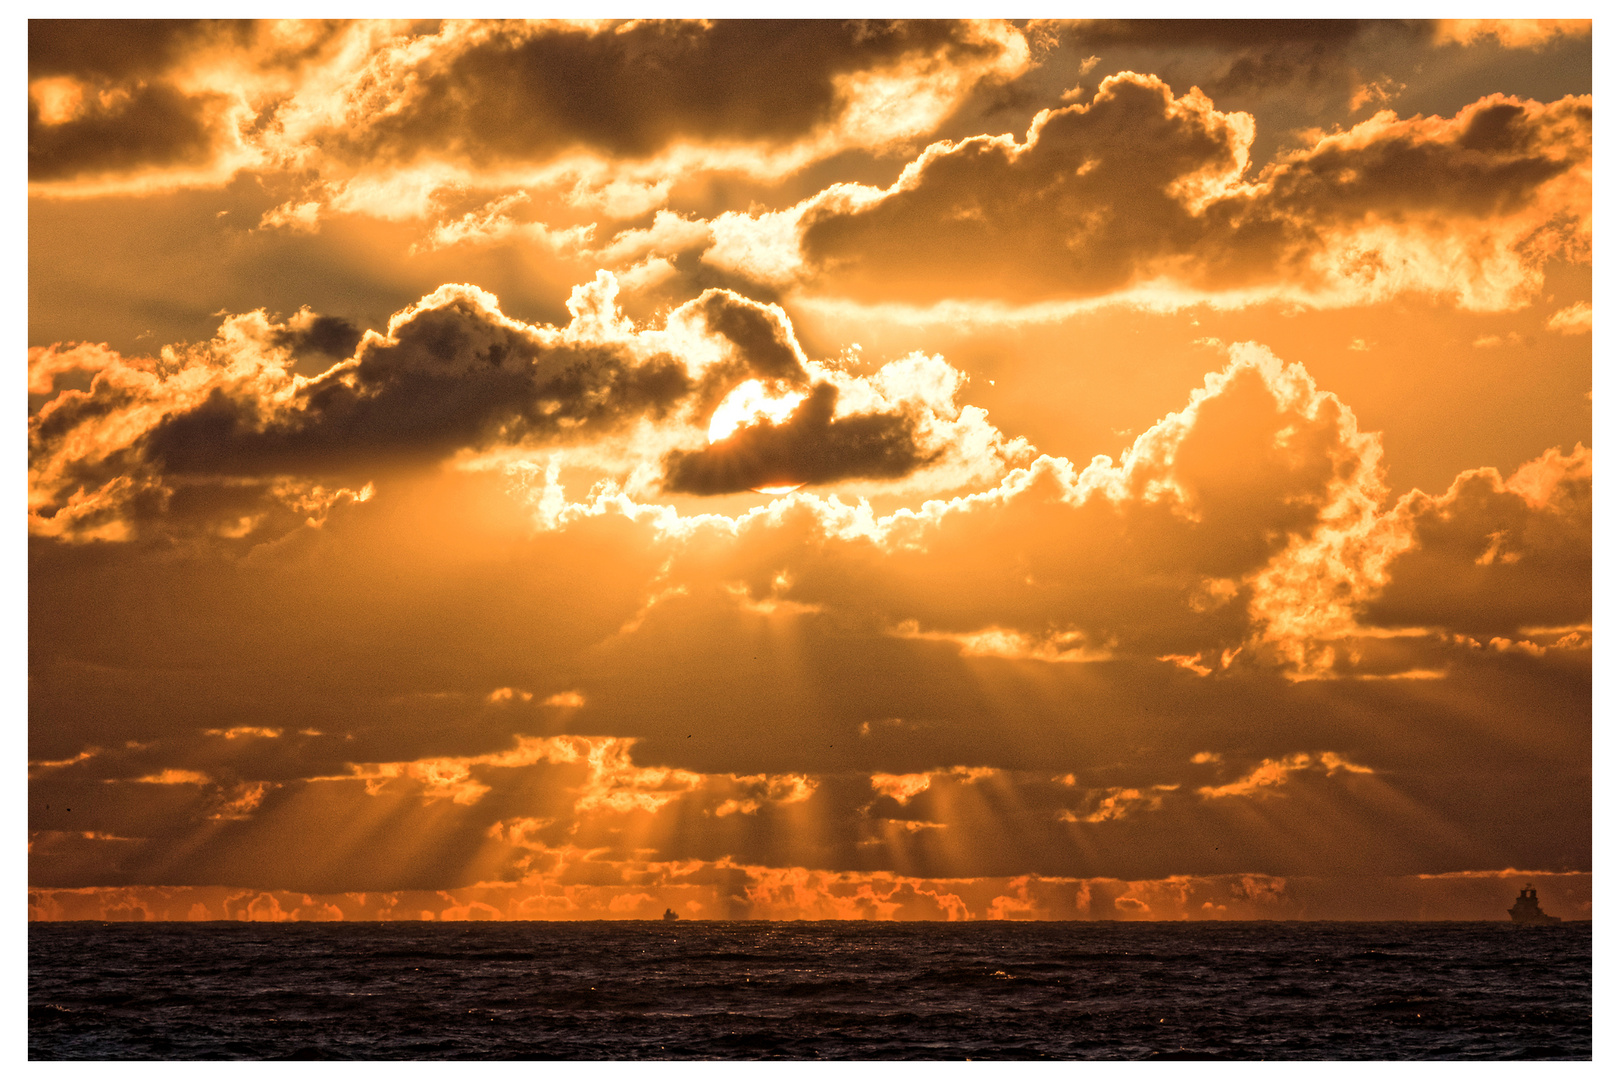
x=82 y=755
x=902 y=789
x=1142 y=195
x=1525 y=541
x=598 y=773
x=227 y=429
x=173 y=776
x=392 y=119
x=1303 y=530
x=761 y=789
x=1510 y=33
x=1115 y=803
x=1274 y=773
x=1575 y=319
x=673 y=597
x=726 y=889
x=1056 y=647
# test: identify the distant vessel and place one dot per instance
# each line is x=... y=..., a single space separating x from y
x=1527 y=910
x=669 y=915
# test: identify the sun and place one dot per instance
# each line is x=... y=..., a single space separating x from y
x=748 y=403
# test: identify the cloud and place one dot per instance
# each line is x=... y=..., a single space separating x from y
x=1375 y=92
x=101 y=100
x=1509 y=33
x=631 y=89
x=1256 y=55
x=706 y=891
x=453 y=372
x=227 y=434
x=173 y=776
x=1575 y=319
x=1141 y=193
x=1116 y=803
x=1059 y=647
x=1252 y=529
x=136 y=106
x=755 y=792
x=811 y=446
x=1271 y=774
x=1517 y=171
x=1524 y=541
x=148 y=127
x=110 y=48
x=383 y=118
x=900 y=788
x=469 y=612
x=1092 y=190
x=46 y=364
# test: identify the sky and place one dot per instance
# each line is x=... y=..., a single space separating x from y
x=914 y=470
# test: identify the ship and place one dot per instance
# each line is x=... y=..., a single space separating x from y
x=1527 y=910
x=669 y=915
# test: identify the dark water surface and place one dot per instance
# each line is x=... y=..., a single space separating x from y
x=809 y=990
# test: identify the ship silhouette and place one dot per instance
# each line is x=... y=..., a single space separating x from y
x=1526 y=911
x=669 y=915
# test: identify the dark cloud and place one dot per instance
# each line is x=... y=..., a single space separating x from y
x=130 y=112
x=125 y=109
x=1487 y=560
x=229 y=443
x=633 y=89
x=149 y=125
x=763 y=344
x=1214 y=33
x=319 y=335
x=1489 y=164
x=1138 y=185
x=1313 y=63
x=453 y=376
x=121 y=51
x=1256 y=55
x=810 y=447
x=112 y=48
x=191 y=443
x=1074 y=209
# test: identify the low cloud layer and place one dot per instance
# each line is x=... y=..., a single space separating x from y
x=739 y=891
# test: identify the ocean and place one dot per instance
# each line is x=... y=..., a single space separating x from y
x=816 y=990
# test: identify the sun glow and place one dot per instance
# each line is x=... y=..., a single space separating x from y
x=746 y=405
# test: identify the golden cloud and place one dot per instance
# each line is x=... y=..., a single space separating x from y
x=382 y=113
x=1141 y=195
x=720 y=890
x=228 y=431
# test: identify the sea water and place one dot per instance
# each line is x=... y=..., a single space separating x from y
x=810 y=990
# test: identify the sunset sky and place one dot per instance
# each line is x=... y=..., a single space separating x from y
x=809 y=470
